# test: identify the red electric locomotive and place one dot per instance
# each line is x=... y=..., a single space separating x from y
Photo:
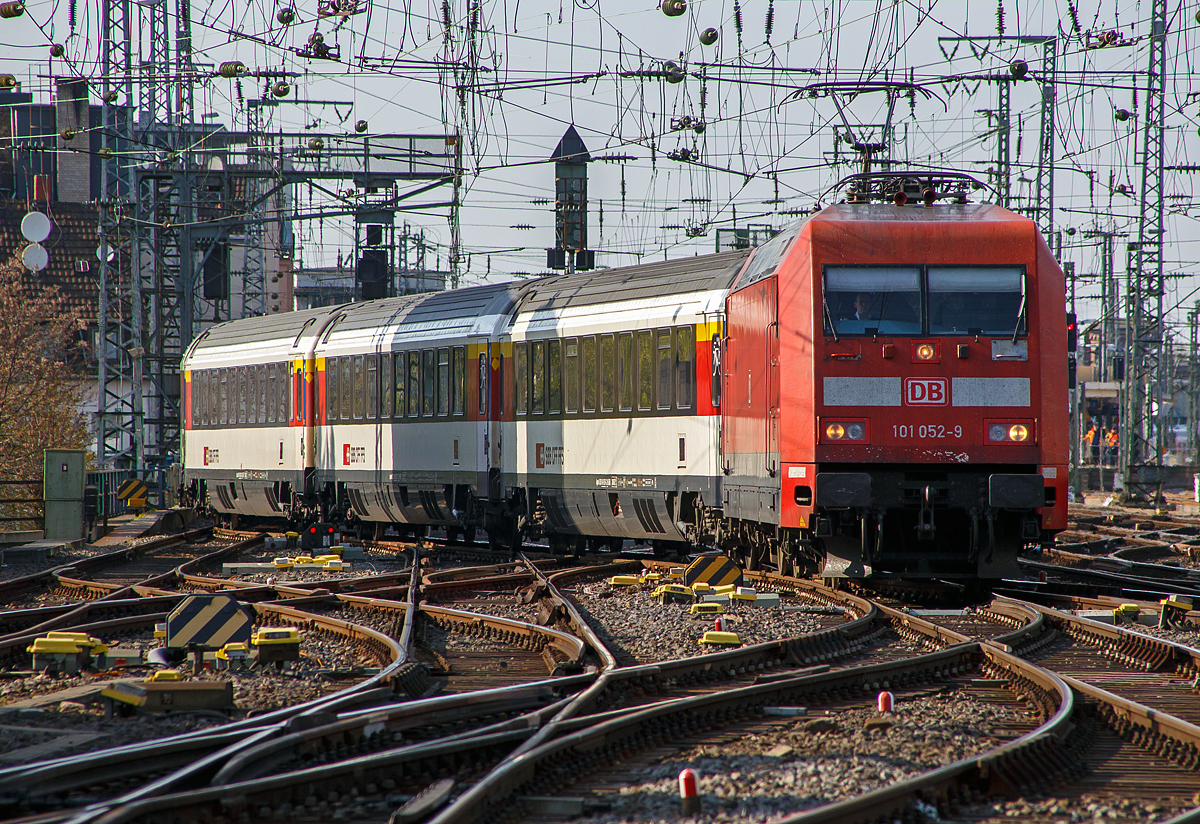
x=895 y=389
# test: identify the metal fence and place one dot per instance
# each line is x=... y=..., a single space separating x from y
x=29 y=509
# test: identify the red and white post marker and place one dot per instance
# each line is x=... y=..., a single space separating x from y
x=885 y=701
x=689 y=797
x=719 y=623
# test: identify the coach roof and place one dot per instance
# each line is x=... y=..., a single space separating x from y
x=627 y=283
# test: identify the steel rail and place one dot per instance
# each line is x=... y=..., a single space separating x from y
x=645 y=726
x=263 y=727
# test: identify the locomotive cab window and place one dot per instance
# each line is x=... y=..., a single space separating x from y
x=884 y=300
x=977 y=300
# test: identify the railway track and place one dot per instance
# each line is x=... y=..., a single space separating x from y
x=1078 y=711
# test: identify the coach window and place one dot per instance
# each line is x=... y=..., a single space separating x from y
x=262 y=393
x=663 y=365
x=372 y=387
x=345 y=388
x=252 y=396
x=645 y=345
x=589 y=374
x=243 y=394
x=400 y=404
x=625 y=369
x=458 y=386
x=537 y=368
x=272 y=391
x=521 y=377
x=414 y=384
x=385 y=386
x=685 y=368
x=428 y=383
x=554 y=373
x=976 y=300
x=870 y=300
x=571 y=383
x=331 y=389
x=359 y=388
x=285 y=394
x=214 y=397
x=443 y=381
x=608 y=373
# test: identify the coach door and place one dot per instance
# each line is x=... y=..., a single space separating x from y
x=491 y=364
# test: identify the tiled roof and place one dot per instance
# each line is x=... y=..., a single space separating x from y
x=72 y=239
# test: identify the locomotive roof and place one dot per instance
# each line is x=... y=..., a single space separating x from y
x=939 y=212
x=650 y=280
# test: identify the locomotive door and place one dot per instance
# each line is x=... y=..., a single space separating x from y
x=771 y=451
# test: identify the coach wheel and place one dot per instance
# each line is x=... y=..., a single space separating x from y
x=468 y=536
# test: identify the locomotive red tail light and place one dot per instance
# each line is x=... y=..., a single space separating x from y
x=846 y=431
x=1009 y=432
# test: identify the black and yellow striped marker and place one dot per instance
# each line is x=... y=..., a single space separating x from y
x=208 y=621
x=131 y=488
x=715 y=570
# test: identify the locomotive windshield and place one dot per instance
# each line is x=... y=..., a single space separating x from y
x=933 y=300
x=976 y=300
x=874 y=300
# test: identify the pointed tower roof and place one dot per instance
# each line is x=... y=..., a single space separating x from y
x=571 y=149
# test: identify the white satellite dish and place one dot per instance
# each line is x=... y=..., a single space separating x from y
x=35 y=257
x=35 y=227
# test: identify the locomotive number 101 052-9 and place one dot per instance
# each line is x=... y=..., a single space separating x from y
x=929 y=431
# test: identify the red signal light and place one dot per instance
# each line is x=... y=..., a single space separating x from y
x=312 y=529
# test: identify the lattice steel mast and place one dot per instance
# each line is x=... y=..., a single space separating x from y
x=1147 y=370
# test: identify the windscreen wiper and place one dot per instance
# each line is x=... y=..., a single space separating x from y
x=1020 y=315
x=828 y=315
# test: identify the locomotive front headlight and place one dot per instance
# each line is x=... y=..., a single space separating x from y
x=835 y=432
x=1009 y=432
x=925 y=351
x=1018 y=432
x=846 y=431
x=855 y=431
x=997 y=432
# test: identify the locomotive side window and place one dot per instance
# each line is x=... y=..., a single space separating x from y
x=428 y=383
x=538 y=369
x=976 y=300
x=685 y=367
x=645 y=356
x=572 y=375
x=458 y=398
x=372 y=387
x=589 y=374
x=664 y=368
x=443 y=379
x=386 y=390
x=864 y=300
x=521 y=377
x=608 y=371
x=625 y=369
x=414 y=384
x=554 y=376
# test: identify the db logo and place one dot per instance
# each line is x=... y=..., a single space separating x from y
x=926 y=392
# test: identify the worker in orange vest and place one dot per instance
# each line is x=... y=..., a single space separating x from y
x=1110 y=446
x=1091 y=445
